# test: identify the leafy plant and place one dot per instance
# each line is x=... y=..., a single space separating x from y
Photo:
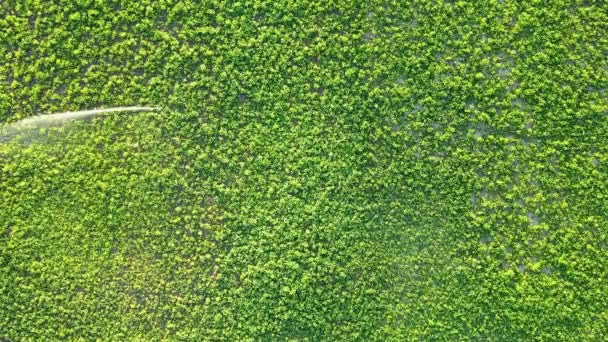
x=338 y=170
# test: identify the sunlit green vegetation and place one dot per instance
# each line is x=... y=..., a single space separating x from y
x=320 y=170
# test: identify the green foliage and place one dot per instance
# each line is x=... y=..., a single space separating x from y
x=333 y=170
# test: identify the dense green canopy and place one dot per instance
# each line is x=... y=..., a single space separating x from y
x=320 y=170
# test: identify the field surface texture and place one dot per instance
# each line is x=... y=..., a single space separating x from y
x=316 y=170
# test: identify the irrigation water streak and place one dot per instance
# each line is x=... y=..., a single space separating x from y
x=43 y=120
x=49 y=120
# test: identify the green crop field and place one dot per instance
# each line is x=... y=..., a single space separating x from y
x=315 y=171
